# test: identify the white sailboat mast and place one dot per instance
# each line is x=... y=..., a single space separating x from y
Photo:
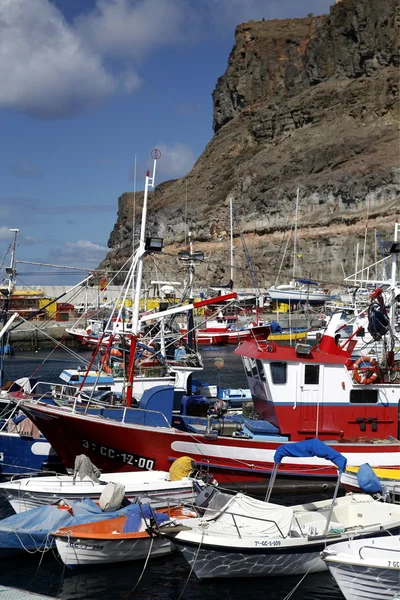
x=231 y=222
x=393 y=278
x=149 y=182
x=133 y=225
x=11 y=269
x=295 y=234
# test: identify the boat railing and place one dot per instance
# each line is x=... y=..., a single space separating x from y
x=67 y=483
x=10 y=416
x=121 y=414
x=233 y=515
x=376 y=548
x=145 y=412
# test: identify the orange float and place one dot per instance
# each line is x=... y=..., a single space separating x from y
x=365 y=375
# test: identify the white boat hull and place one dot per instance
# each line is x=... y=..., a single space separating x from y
x=75 y=552
x=358 y=583
x=152 y=486
x=247 y=538
x=297 y=295
x=366 y=568
x=211 y=563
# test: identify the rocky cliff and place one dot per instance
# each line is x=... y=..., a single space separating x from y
x=305 y=103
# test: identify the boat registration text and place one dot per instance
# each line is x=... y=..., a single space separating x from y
x=140 y=462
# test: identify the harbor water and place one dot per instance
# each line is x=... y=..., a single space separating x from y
x=166 y=578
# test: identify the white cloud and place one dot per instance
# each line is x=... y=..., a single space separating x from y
x=52 y=68
x=176 y=159
x=5 y=233
x=45 y=68
x=82 y=253
x=132 y=29
x=29 y=240
x=86 y=245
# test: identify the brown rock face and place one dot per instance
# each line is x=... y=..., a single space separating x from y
x=309 y=103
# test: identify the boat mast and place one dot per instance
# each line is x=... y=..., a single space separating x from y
x=231 y=222
x=295 y=234
x=133 y=226
x=11 y=272
x=393 y=279
x=149 y=182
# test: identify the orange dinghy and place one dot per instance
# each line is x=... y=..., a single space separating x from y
x=120 y=539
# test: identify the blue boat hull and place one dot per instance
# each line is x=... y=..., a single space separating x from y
x=20 y=455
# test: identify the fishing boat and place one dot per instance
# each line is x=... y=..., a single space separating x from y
x=366 y=568
x=300 y=392
x=248 y=537
x=120 y=539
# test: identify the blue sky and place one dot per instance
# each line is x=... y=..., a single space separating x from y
x=86 y=85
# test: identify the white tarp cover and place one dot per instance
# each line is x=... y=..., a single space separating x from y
x=253 y=518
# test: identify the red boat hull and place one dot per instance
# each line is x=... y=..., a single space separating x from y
x=115 y=446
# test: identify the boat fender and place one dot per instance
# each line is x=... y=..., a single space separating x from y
x=181 y=467
x=367 y=479
x=366 y=374
x=112 y=496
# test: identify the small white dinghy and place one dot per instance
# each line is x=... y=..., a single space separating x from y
x=366 y=568
x=155 y=487
x=124 y=538
x=244 y=537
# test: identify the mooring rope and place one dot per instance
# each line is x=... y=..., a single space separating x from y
x=290 y=594
x=192 y=567
x=145 y=563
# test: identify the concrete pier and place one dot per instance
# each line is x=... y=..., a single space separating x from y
x=12 y=593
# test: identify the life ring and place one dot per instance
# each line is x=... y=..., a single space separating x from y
x=365 y=375
x=115 y=352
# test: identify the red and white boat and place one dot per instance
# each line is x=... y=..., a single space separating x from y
x=304 y=392
x=223 y=329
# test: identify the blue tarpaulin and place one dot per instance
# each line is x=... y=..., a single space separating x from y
x=275 y=327
x=367 y=480
x=137 y=512
x=30 y=530
x=307 y=281
x=312 y=447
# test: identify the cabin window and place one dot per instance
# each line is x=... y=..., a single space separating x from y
x=74 y=378
x=261 y=369
x=254 y=369
x=247 y=367
x=364 y=396
x=278 y=372
x=311 y=374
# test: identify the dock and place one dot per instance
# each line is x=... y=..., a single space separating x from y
x=12 y=593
